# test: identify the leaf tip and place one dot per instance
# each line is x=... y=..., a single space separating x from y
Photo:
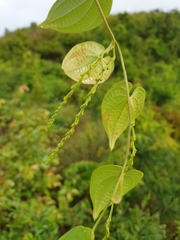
x=95 y=216
x=41 y=25
x=111 y=145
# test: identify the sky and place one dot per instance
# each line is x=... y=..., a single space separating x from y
x=20 y=13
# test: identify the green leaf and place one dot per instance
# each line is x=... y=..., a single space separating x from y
x=131 y=179
x=138 y=98
x=79 y=233
x=72 y=16
x=85 y=62
x=103 y=183
x=115 y=115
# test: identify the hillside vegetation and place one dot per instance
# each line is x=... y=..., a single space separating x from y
x=39 y=202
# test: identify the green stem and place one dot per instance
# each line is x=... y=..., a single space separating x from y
x=65 y=99
x=108 y=221
x=126 y=84
x=74 y=124
x=133 y=151
x=100 y=217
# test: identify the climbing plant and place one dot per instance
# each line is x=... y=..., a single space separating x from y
x=92 y=64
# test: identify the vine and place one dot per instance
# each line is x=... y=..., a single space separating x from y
x=91 y=63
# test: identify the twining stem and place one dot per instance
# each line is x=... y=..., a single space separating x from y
x=126 y=84
x=100 y=217
x=134 y=150
x=108 y=221
x=75 y=123
x=65 y=99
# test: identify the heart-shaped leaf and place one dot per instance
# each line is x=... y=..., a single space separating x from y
x=72 y=16
x=79 y=233
x=115 y=113
x=138 y=98
x=103 y=183
x=85 y=61
x=131 y=179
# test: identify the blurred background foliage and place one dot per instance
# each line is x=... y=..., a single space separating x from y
x=43 y=202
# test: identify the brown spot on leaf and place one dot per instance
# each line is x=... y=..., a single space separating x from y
x=106 y=116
